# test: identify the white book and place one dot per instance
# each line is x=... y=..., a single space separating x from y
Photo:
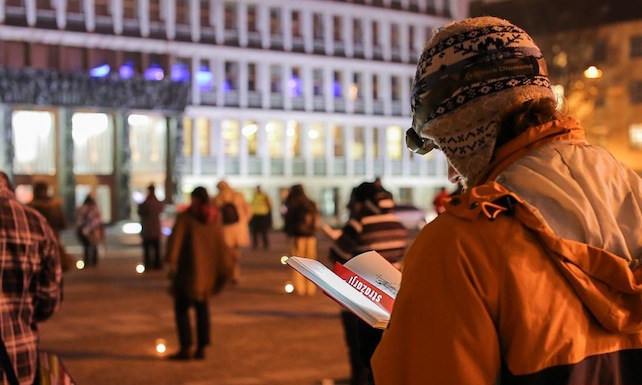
x=366 y=285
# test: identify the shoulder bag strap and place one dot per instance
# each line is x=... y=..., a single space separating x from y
x=10 y=372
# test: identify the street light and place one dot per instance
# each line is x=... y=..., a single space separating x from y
x=592 y=72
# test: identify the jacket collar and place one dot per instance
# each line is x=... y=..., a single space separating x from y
x=567 y=128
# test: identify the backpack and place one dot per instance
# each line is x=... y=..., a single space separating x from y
x=229 y=213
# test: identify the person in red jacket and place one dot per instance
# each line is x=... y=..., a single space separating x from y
x=531 y=275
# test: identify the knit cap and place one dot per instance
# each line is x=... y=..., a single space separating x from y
x=468 y=75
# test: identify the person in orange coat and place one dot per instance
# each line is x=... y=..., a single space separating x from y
x=532 y=275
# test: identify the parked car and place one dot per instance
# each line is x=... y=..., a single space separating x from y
x=412 y=217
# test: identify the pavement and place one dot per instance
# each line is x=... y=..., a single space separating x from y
x=112 y=318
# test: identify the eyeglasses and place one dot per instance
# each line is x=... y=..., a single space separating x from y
x=443 y=86
x=417 y=144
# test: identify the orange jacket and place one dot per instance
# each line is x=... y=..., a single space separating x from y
x=532 y=283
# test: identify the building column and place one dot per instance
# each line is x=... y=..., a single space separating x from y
x=122 y=167
x=329 y=148
x=66 y=181
x=263 y=148
x=328 y=89
x=243 y=78
x=173 y=176
x=368 y=91
x=368 y=43
x=348 y=138
x=195 y=20
x=241 y=20
x=143 y=17
x=218 y=146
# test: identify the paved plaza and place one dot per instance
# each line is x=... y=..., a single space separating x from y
x=112 y=318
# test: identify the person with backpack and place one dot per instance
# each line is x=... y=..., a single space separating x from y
x=300 y=224
x=235 y=215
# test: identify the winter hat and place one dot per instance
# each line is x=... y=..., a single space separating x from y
x=468 y=74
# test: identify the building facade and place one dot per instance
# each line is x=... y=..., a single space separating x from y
x=594 y=54
x=108 y=96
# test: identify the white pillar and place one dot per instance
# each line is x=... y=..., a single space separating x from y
x=217 y=13
x=264 y=24
x=243 y=77
x=196 y=91
x=90 y=15
x=195 y=19
x=143 y=17
x=263 y=73
x=328 y=37
x=328 y=88
x=347 y=36
x=30 y=9
x=308 y=87
x=61 y=13
x=367 y=38
x=117 y=16
x=168 y=12
x=307 y=30
x=241 y=20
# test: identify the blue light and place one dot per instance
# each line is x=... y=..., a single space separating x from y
x=180 y=72
x=126 y=71
x=100 y=71
x=154 y=72
x=337 y=89
x=295 y=87
x=204 y=78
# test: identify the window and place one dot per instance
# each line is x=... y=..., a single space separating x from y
x=34 y=141
x=635 y=135
x=395 y=85
x=250 y=130
x=294 y=138
x=92 y=134
x=600 y=51
x=317 y=26
x=295 y=87
x=359 y=143
x=356 y=92
x=147 y=142
x=275 y=79
x=395 y=39
x=230 y=133
x=636 y=46
x=337 y=79
x=275 y=137
x=251 y=77
x=231 y=76
x=635 y=91
x=339 y=142
x=202 y=145
x=275 y=22
x=375 y=87
x=316 y=135
x=357 y=32
x=411 y=39
x=395 y=142
x=296 y=24
x=376 y=34
x=317 y=76
x=230 y=16
x=252 y=19
x=337 y=28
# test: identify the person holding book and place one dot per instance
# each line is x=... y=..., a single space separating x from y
x=532 y=274
x=372 y=226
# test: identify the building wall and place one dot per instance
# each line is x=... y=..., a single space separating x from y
x=254 y=50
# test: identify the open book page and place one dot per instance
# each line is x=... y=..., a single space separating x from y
x=374 y=268
x=339 y=290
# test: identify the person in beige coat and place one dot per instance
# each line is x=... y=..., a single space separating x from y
x=200 y=264
x=236 y=231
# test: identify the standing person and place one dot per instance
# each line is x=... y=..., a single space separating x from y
x=372 y=226
x=261 y=221
x=149 y=212
x=200 y=264
x=532 y=275
x=236 y=214
x=31 y=280
x=50 y=207
x=90 y=230
x=300 y=224
x=439 y=203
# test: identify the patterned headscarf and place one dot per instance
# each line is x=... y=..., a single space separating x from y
x=469 y=73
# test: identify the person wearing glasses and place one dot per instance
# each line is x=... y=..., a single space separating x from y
x=531 y=275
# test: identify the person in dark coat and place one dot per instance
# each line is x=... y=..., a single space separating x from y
x=200 y=264
x=149 y=212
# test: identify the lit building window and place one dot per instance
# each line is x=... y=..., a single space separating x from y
x=295 y=87
x=231 y=76
x=230 y=133
x=337 y=84
x=296 y=24
x=316 y=136
x=203 y=136
x=92 y=134
x=275 y=79
x=147 y=135
x=250 y=132
x=317 y=76
x=337 y=27
x=359 y=143
x=252 y=18
x=275 y=22
x=339 y=141
x=294 y=138
x=275 y=138
x=635 y=135
x=317 y=25
x=188 y=128
x=230 y=16
x=34 y=141
x=395 y=142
